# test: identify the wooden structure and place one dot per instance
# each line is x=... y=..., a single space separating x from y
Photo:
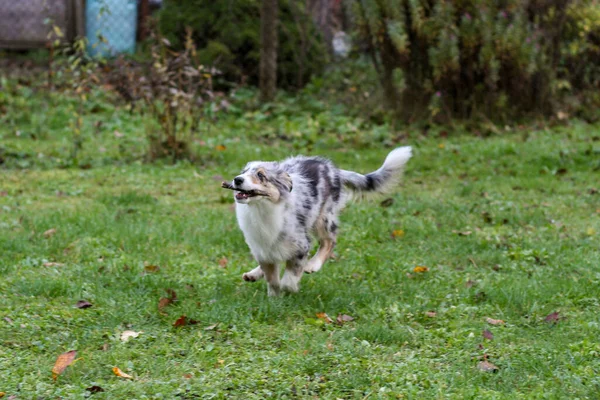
x=26 y=24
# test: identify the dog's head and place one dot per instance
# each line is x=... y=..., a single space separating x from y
x=261 y=181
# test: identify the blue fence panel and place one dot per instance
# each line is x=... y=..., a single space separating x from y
x=116 y=21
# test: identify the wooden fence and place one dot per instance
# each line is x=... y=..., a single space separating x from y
x=27 y=23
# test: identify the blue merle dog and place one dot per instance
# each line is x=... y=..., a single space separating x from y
x=279 y=205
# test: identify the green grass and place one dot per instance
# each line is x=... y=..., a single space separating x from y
x=526 y=196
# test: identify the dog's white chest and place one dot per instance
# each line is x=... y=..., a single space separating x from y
x=262 y=227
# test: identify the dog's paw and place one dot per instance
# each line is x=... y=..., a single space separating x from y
x=254 y=275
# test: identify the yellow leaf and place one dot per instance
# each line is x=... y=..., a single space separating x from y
x=420 y=269
x=220 y=147
x=2 y=394
x=323 y=316
x=49 y=233
x=590 y=231
x=441 y=145
x=397 y=233
x=58 y=31
x=120 y=373
x=62 y=362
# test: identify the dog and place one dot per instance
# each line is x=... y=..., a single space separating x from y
x=279 y=205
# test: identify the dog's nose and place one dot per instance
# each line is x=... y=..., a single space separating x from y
x=238 y=180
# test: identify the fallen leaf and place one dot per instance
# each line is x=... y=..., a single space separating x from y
x=488 y=335
x=181 y=321
x=492 y=321
x=324 y=317
x=3 y=193
x=83 y=304
x=220 y=147
x=188 y=376
x=49 y=233
x=94 y=389
x=441 y=145
x=397 y=233
x=163 y=302
x=53 y=264
x=420 y=269
x=487 y=366
x=151 y=268
x=470 y=283
x=387 y=202
x=553 y=317
x=126 y=335
x=2 y=394
x=561 y=171
x=330 y=346
x=343 y=318
x=463 y=233
x=10 y=321
x=590 y=231
x=431 y=314
x=62 y=362
x=118 y=134
x=211 y=327
x=223 y=262
x=117 y=371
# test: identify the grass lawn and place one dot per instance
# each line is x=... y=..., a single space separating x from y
x=508 y=227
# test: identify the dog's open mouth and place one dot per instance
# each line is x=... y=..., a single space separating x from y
x=243 y=194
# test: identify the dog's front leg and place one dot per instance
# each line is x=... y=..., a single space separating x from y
x=255 y=275
x=271 y=272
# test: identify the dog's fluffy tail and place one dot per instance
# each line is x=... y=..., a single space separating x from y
x=382 y=181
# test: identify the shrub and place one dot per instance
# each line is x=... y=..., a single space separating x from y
x=227 y=37
x=480 y=57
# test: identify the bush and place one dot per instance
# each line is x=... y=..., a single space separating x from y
x=227 y=37
x=469 y=58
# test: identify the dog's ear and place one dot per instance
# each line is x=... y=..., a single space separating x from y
x=284 y=180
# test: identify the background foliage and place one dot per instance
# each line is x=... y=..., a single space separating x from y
x=227 y=35
x=466 y=58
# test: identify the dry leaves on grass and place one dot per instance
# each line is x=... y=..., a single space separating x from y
x=53 y=264
x=398 y=233
x=62 y=362
x=220 y=147
x=431 y=314
x=553 y=317
x=343 y=318
x=126 y=335
x=165 y=301
x=83 y=304
x=117 y=371
x=420 y=269
x=94 y=389
x=49 y=233
x=223 y=262
x=492 y=321
x=183 y=321
x=487 y=366
x=151 y=268
x=488 y=335
x=324 y=317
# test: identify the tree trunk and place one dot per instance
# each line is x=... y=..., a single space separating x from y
x=268 y=49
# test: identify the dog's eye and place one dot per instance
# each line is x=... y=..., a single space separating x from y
x=261 y=176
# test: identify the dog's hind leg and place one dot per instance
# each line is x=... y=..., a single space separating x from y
x=293 y=273
x=326 y=230
x=271 y=272
x=255 y=275
x=316 y=262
